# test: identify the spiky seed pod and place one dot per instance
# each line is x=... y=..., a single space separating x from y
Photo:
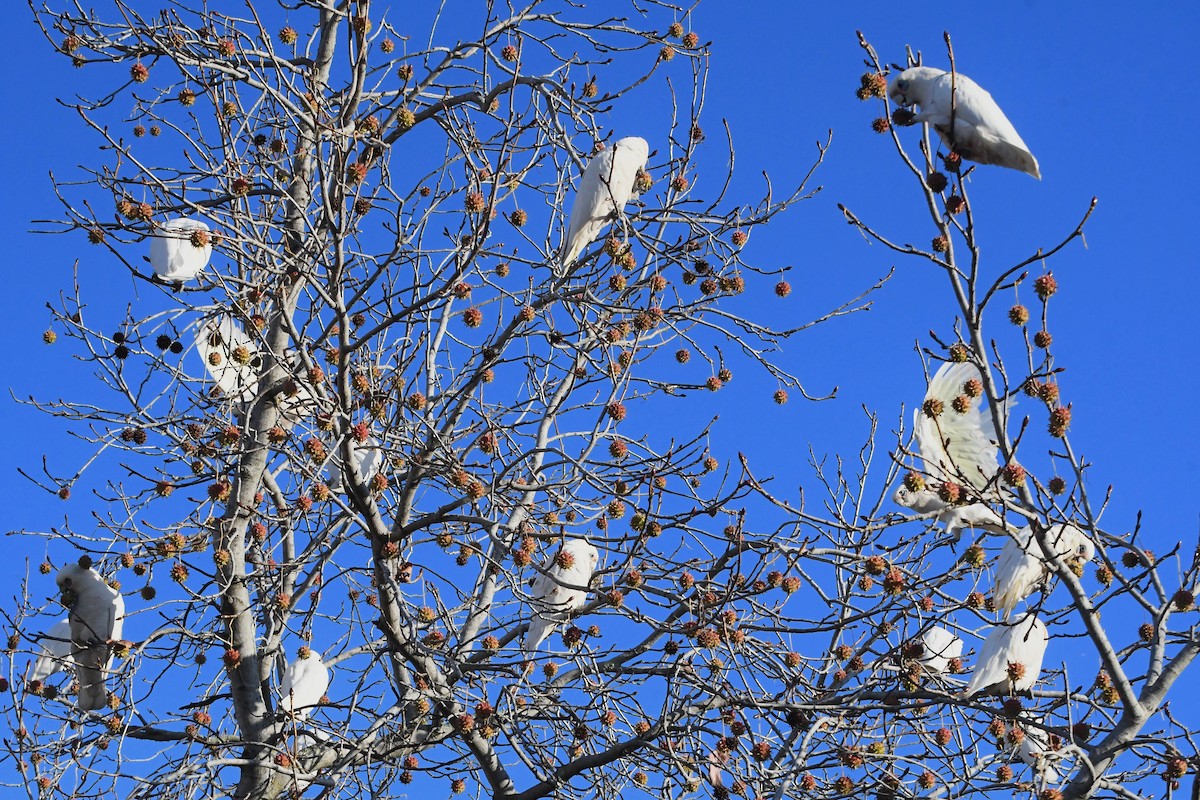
x=739 y=238
x=940 y=244
x=1060 y=420
x=1013 y=474
x=933 y=407
x=1183 y=600
x=961 y=404
x=893 y=581
x=974 y=557
x=690 y=40
x=387 y=46
x=618 y=449
x=902 y=117
x=1042 y=339
x=959 y=354
x=680 y=183
x=509 y=53
x=881 y=125
x=226 y=48
x=936 y=182
x=780 y=396
x=139 y=73
x=955 y=204
x=1044 y=286
x=472 y=317
x=1057 y=485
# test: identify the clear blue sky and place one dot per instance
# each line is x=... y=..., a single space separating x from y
x=1099 y=92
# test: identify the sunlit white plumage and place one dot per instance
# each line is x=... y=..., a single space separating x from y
x=1021 y=642
x=304 y=683
x=939 y=647
x=367 y=459
x=97 y=615
x=230 y=356
x=956 y=447
x=1035 y=751
x=1022 y=565
x=54 y=652
x=981 y=131
x=606 y=186
x=173 y=256
x=560 y=590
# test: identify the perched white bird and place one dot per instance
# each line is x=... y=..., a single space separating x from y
x=956 y=447
x=981 y=131
x=367 y=459
x=230 y=356
x=939 y=647
x=606 y=186
x=1035 y=751
x=560 y=590
x=97 y=615
x=305 y=682
x=180 y=249
x=1022 y=565
x=55 y=652
x=1010 y=659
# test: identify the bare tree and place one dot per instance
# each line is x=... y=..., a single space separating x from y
x=369 y=434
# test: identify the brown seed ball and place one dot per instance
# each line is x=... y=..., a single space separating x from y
x=1057 y=485
x=780 y=396
x=955 y=204
x=1042 y=339
x=881 y=125
x=783 y=289
x=940 y=244
x=690 y=40
x=1045 y=286
x=936 y=182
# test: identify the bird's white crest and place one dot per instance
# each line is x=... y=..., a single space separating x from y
x=97 y=617
x=1022 y=642
x=1022 y=566
x=173 y=257
x=939 y=647
x=981 y=131
x=956 y=447
x=304 y=683
x=606 y=186
x=559 y=591
x=218 y=339
x=54 y=652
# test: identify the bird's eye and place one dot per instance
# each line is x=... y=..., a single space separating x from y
x=902 y=85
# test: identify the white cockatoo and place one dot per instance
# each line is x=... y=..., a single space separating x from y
x=1010 y=659
x=938 y=647
x=305 y=682
x=367 y=459
x=981 y=131
x=1035 y=751
x=97 y=615
x=606 y=186
x=1022 y=565
x=956 y=447
x=560 y=590
x=230 y=356
x=180 y=249
x=54 y=652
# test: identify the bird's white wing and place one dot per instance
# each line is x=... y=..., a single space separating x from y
x=555 y=593
x=1018 y=571
x=97 y=616
x=54 y=652
x=606 y=186
x=173 y=256
x=304 y=683
x=982 y=132
x=940 y=646
x=955 y=446
x=1023 y=642
x=230 y=356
